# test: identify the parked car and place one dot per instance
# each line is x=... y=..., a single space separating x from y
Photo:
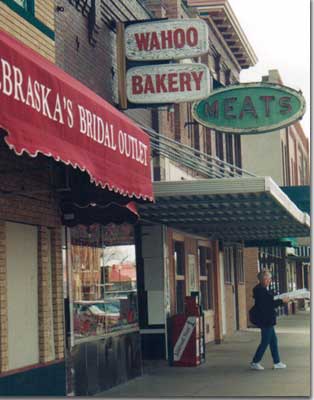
x=95 y=317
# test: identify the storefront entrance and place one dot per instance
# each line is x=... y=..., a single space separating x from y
x=104 y=345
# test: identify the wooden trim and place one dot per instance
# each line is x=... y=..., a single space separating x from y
x=45 y=312
x=57 y=290
x=121 y=66
x=28 y=15
x=203 y=243
x=178 y=237
x=29 y=367
x=123 y=331
x=4 y=349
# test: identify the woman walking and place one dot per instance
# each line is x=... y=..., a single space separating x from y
x=265 y=307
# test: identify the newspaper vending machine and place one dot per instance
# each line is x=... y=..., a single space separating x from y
x=187 y=335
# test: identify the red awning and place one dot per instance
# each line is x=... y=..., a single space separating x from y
x=44 y=110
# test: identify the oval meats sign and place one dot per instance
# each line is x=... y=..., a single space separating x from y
x=167 y=83
x=250 y=108
x=170 y=39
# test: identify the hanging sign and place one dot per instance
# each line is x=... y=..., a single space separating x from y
x=170 y=39
x=250 y=108
x=167 y=83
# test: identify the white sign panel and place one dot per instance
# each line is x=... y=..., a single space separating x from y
x=170 y=39
x=168 y=83
x=295 y=294
x=184 y=338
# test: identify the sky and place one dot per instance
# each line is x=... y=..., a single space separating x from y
x=279 y=32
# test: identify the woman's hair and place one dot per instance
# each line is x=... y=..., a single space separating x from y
x=262 y=274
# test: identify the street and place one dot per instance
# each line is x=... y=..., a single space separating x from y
x=226 y=370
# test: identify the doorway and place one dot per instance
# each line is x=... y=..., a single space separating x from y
x=235 y=287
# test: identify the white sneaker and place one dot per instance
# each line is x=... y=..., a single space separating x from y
x=256 y=366
x=279 y=365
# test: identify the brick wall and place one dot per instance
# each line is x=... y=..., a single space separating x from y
x=4 y=359
x=95 y=67
x=36 y=205
x=242 y=306
x=250 y=261
x=57 y=291
x=178 y=130
x=44 y=297
x=44 y=11
x=26 y=174
x=156 y=7
x=27 y=33
x=230 y=308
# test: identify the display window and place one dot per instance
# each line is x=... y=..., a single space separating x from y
x=103 y=278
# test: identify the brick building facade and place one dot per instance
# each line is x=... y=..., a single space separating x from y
x=32 y=321
x=35 y=194
x=80 y=37
x=89 y=53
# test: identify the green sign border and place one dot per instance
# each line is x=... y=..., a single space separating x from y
x=249 y=131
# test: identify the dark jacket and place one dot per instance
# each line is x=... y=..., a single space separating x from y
x=265 y=304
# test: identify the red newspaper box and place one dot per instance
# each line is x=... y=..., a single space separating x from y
x=186 y=340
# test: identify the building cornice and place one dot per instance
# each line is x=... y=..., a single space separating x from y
x=221 y=13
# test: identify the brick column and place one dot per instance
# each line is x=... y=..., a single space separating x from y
x=57 y=291
x=44 y=298
x=217 y=293
x=4 y=359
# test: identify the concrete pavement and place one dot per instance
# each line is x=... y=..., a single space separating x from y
x=226 y=371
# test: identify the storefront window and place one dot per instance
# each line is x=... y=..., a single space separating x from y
x=228 y=262
x=240 y=265
x=104 y=288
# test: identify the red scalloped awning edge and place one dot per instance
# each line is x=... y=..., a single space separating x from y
x=93 y=180
x=47 y=111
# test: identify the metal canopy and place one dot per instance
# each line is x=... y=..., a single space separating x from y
x=229 y=209
x=300 y=195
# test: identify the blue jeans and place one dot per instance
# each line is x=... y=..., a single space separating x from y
x=268 y=338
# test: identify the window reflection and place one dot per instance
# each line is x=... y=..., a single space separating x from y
x=103 y=279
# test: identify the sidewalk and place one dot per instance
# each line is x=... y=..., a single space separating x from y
x=226 y=371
